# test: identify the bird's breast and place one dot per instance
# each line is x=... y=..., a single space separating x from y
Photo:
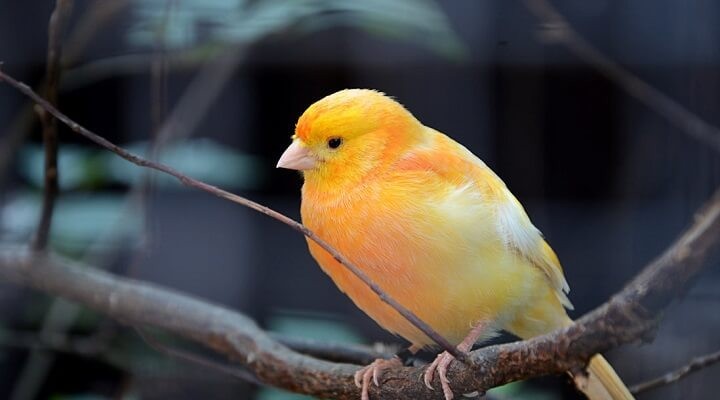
x=427 y=249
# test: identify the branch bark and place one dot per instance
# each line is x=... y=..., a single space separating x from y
x=143 y=304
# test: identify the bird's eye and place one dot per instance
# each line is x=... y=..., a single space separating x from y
x=334 y=142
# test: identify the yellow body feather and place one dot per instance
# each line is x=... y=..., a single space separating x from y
x=428 y=232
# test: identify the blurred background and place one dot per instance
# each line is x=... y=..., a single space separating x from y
x=214 y=88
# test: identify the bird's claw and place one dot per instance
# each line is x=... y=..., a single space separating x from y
x=441 y=363
x=373 y=372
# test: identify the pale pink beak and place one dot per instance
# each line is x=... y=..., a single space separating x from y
x=298 y=157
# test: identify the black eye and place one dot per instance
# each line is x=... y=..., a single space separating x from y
x=334 y=143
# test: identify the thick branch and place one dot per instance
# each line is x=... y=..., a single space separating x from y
x=629 y=316
x=143 y=304
x=194 y=183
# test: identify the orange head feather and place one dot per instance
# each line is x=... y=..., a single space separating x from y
x=351 y=133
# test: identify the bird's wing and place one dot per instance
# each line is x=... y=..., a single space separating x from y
x=454 y=163
x=521 y=235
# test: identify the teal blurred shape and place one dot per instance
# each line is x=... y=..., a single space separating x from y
x=521 y=390
x=194 y=23
x=312 y=325
x=79 y=220
x=79 y=166
x=204 y=159
x=268 y=393
x=201 y=159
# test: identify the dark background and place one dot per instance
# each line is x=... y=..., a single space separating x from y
x=608 y=180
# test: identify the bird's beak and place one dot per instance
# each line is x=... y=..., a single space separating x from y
x=298 y=157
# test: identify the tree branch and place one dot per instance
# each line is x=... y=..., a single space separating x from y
x=194 y=183
x=630 y=315
x=556 y=29
x=56 y=27
x=143 y=304
x=695 y=364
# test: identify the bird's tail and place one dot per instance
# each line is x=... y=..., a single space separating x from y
x=601 y=382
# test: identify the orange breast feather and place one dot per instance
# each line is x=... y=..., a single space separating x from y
x=426 y=231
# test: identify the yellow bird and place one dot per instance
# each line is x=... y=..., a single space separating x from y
x=432 y=225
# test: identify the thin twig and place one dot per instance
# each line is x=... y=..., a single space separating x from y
x=556 y=29
x=56 y=28
x=194 y=103
x=96 y=17
x=38 y=362
x=695 y=364
x=159 y=72
x=200 y=95
x=194 y=183
x=336 y=352
x=196 y=359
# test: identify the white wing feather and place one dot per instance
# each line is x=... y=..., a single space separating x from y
x=520 y=234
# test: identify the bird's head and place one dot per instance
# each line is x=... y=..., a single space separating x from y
x=348 y=134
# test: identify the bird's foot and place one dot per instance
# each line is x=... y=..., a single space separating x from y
x=373 y=372
x=441 y=363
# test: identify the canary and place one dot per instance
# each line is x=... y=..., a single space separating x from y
x=433 y=226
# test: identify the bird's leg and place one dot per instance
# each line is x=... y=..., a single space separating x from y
x=375 y=369
x=443 y=360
